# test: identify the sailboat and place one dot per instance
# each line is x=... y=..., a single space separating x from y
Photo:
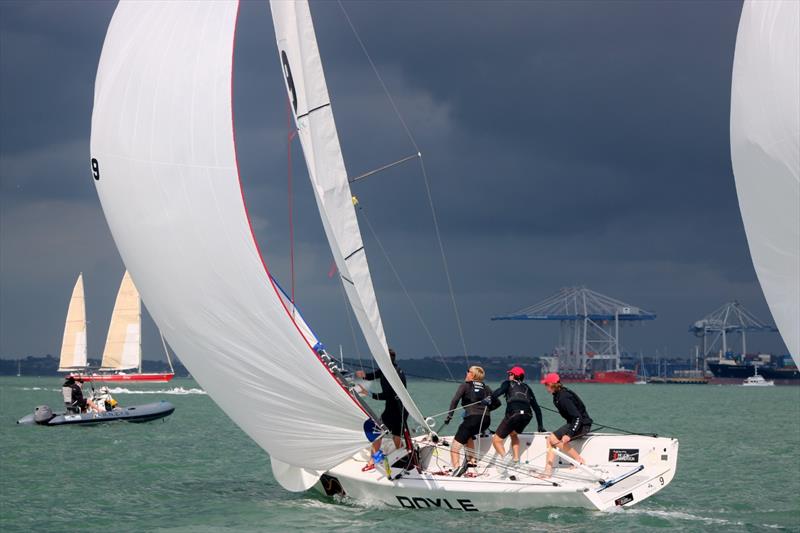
x=765 y=153
x=73 y=343
x=123 y=349
x=163 y=150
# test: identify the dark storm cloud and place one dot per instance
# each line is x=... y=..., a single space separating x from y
x=565 y=143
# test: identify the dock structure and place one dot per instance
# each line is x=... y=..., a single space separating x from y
x=730 y=318
x=589 y=335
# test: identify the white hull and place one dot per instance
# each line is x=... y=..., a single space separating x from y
x=649 y=464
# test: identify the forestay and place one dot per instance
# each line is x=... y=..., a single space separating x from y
x=123 y=349
x=765 y=152
x=311 y=106
x=73 y=345
x=164 y=163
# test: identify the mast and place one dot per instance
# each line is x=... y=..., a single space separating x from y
x=307 y=91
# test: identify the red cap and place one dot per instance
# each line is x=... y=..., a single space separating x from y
x=551 y=378
x=517 y=372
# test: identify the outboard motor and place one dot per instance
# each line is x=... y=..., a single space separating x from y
x=43 y=414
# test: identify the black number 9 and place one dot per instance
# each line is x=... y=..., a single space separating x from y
x=95 y=169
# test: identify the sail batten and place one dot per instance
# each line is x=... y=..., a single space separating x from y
x=308 y=94
x=73 y=345
x=765 y=153
x=164 y=161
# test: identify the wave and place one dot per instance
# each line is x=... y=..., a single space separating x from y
x=180 y=391
x=680 y=515
x=176 y=390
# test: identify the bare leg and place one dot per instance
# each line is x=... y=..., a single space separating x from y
x=572 y=452
x=455 y=454
x=515 y=445
x=471 y=456
x=552 y=442
x=397 y=441
x=497 y=442
x=376 y=445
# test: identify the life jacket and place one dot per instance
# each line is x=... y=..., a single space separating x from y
x=475 y=393
x=517 y=397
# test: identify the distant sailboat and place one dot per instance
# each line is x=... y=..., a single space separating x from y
x=123 y=350
x=73 y=345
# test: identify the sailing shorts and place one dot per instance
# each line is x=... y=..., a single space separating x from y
x=515 y=421
x=470 y=427
x=394 y=422
x=566 y=428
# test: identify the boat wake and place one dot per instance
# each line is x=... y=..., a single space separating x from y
x=679 y=515
x=180 y=391
x=175 y=390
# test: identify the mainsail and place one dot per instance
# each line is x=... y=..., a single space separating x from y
x=765 y=152
x=164 y=164
x=311 y=106
x=123 y=349
x=73 y=345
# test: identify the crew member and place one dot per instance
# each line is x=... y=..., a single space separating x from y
x=476 y=417
x=520 y=406
x=574 y=412
x=77 y=394
x=394 y=415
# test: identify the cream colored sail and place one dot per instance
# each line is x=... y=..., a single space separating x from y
x=123 y=349
x=73 y=346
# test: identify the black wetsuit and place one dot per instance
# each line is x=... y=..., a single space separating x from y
x=574 y=412
x=476 y=417
x=521 y=404
x=394 y=415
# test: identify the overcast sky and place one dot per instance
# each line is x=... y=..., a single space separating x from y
x=566 y=143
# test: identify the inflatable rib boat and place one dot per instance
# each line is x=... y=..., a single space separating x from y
x=44 y=416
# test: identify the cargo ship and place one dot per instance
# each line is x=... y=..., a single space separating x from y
x=620 y=376
x=727 y=371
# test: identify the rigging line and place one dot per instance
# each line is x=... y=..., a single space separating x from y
x=424 y=173
x=402 y=286
x=289 y=137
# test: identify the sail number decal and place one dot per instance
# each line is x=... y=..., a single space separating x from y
x=95 y=169
x=287 y=71
x=462 y=504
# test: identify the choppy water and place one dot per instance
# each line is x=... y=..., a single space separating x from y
x=739 y=467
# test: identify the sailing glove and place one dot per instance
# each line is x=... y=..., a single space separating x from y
x=487 y=401
x=448 y=419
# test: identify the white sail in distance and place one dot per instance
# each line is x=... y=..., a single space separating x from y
x=300 y=60
x=164 y=164
x=765 y=152
x=73 y=344
x=123 y=349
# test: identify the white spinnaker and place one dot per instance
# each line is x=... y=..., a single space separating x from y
x=73 y=344
x=123 y=349
x=305 y=83
x=165 y=167
x=765 y=152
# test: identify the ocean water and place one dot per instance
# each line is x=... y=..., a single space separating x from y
x=738 y=470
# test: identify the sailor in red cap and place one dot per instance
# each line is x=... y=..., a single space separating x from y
x=574 y=412
x=520 y=406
